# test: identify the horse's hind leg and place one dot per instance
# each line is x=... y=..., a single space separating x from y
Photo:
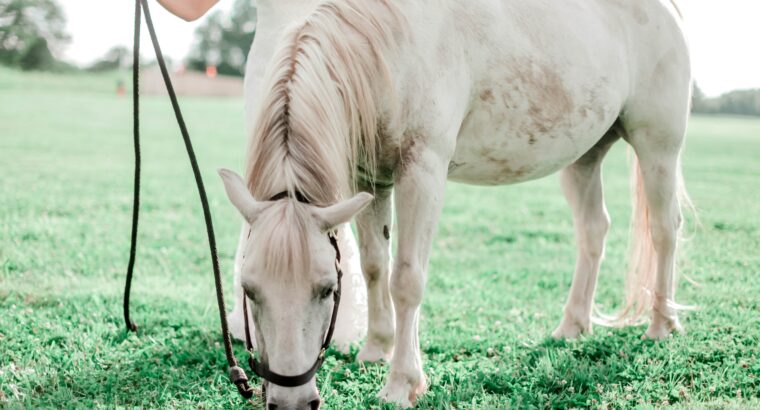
x=655 y=128
x=374 y=225
x=582 y=186
x=658 y=152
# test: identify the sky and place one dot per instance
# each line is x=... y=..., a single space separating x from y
x=723 y=35
x=97 y=25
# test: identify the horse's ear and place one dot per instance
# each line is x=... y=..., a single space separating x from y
x=239 y=195
x=338 y=214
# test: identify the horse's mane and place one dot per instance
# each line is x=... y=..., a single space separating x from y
x=318 y=117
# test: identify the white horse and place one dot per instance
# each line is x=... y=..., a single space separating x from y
x=392 y=97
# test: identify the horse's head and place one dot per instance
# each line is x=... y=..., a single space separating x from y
x=290 y=278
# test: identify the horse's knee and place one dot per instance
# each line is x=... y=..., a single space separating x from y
x=374 y=269
x=407 y=284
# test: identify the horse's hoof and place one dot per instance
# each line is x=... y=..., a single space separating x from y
x=402 y=391
x=373 y=352
x=570 y=330
x=662 y=328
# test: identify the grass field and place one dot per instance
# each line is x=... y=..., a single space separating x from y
x=500 y=272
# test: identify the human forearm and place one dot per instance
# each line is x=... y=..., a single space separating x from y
x=188 y=10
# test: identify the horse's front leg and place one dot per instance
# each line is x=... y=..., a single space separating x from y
x=418 y=199
x=374 y=226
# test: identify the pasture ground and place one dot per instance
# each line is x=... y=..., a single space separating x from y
x=500 y=272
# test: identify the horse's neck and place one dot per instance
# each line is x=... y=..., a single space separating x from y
x=330 y=111
x=272 y=16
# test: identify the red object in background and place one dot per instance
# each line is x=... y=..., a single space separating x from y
x=120 y=89
x=210 y=71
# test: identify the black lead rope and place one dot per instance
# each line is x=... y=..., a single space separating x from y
x=237 y=374
x=136 y=133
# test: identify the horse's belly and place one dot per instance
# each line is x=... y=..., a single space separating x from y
x=494 y=164
x=508 y=139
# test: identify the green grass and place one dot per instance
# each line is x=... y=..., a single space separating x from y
x=500 y=272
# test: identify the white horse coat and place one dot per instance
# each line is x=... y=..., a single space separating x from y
x=485 y=92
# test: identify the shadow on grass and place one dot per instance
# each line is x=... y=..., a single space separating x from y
x=79 y=354
x=615 y=368
x=168 y=362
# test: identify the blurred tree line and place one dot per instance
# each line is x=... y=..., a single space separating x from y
x=739 y=102
x=224 y=40
x=118 y=57
x=31 y=33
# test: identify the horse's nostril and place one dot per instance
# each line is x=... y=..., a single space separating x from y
x=314 y=404
x=271 y=406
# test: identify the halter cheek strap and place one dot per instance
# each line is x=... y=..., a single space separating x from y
x=261 y=369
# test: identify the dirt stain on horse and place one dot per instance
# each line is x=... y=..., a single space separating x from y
x=548 y=102
x=487 y=96
x=412 y=146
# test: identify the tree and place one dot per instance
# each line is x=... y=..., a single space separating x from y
x=741 y=102
x=31 y=31
x=115 y=58
x=224 y=40
x=697 y=98
x=38 y=56
x=738 y=102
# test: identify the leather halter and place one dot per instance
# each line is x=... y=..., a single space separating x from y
x=261 y=369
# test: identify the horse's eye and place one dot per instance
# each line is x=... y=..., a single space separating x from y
x=326 y=293
x=251 y=296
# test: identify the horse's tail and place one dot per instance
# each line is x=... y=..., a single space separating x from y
x=675 y=6
x=642 y=258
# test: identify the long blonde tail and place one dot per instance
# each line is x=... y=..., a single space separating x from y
x=642 y=257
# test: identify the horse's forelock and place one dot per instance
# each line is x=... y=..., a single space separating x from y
x=284 y=239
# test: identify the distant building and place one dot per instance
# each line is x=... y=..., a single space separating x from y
x=191 y=83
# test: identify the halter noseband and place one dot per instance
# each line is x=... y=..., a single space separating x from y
x=261 y=369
